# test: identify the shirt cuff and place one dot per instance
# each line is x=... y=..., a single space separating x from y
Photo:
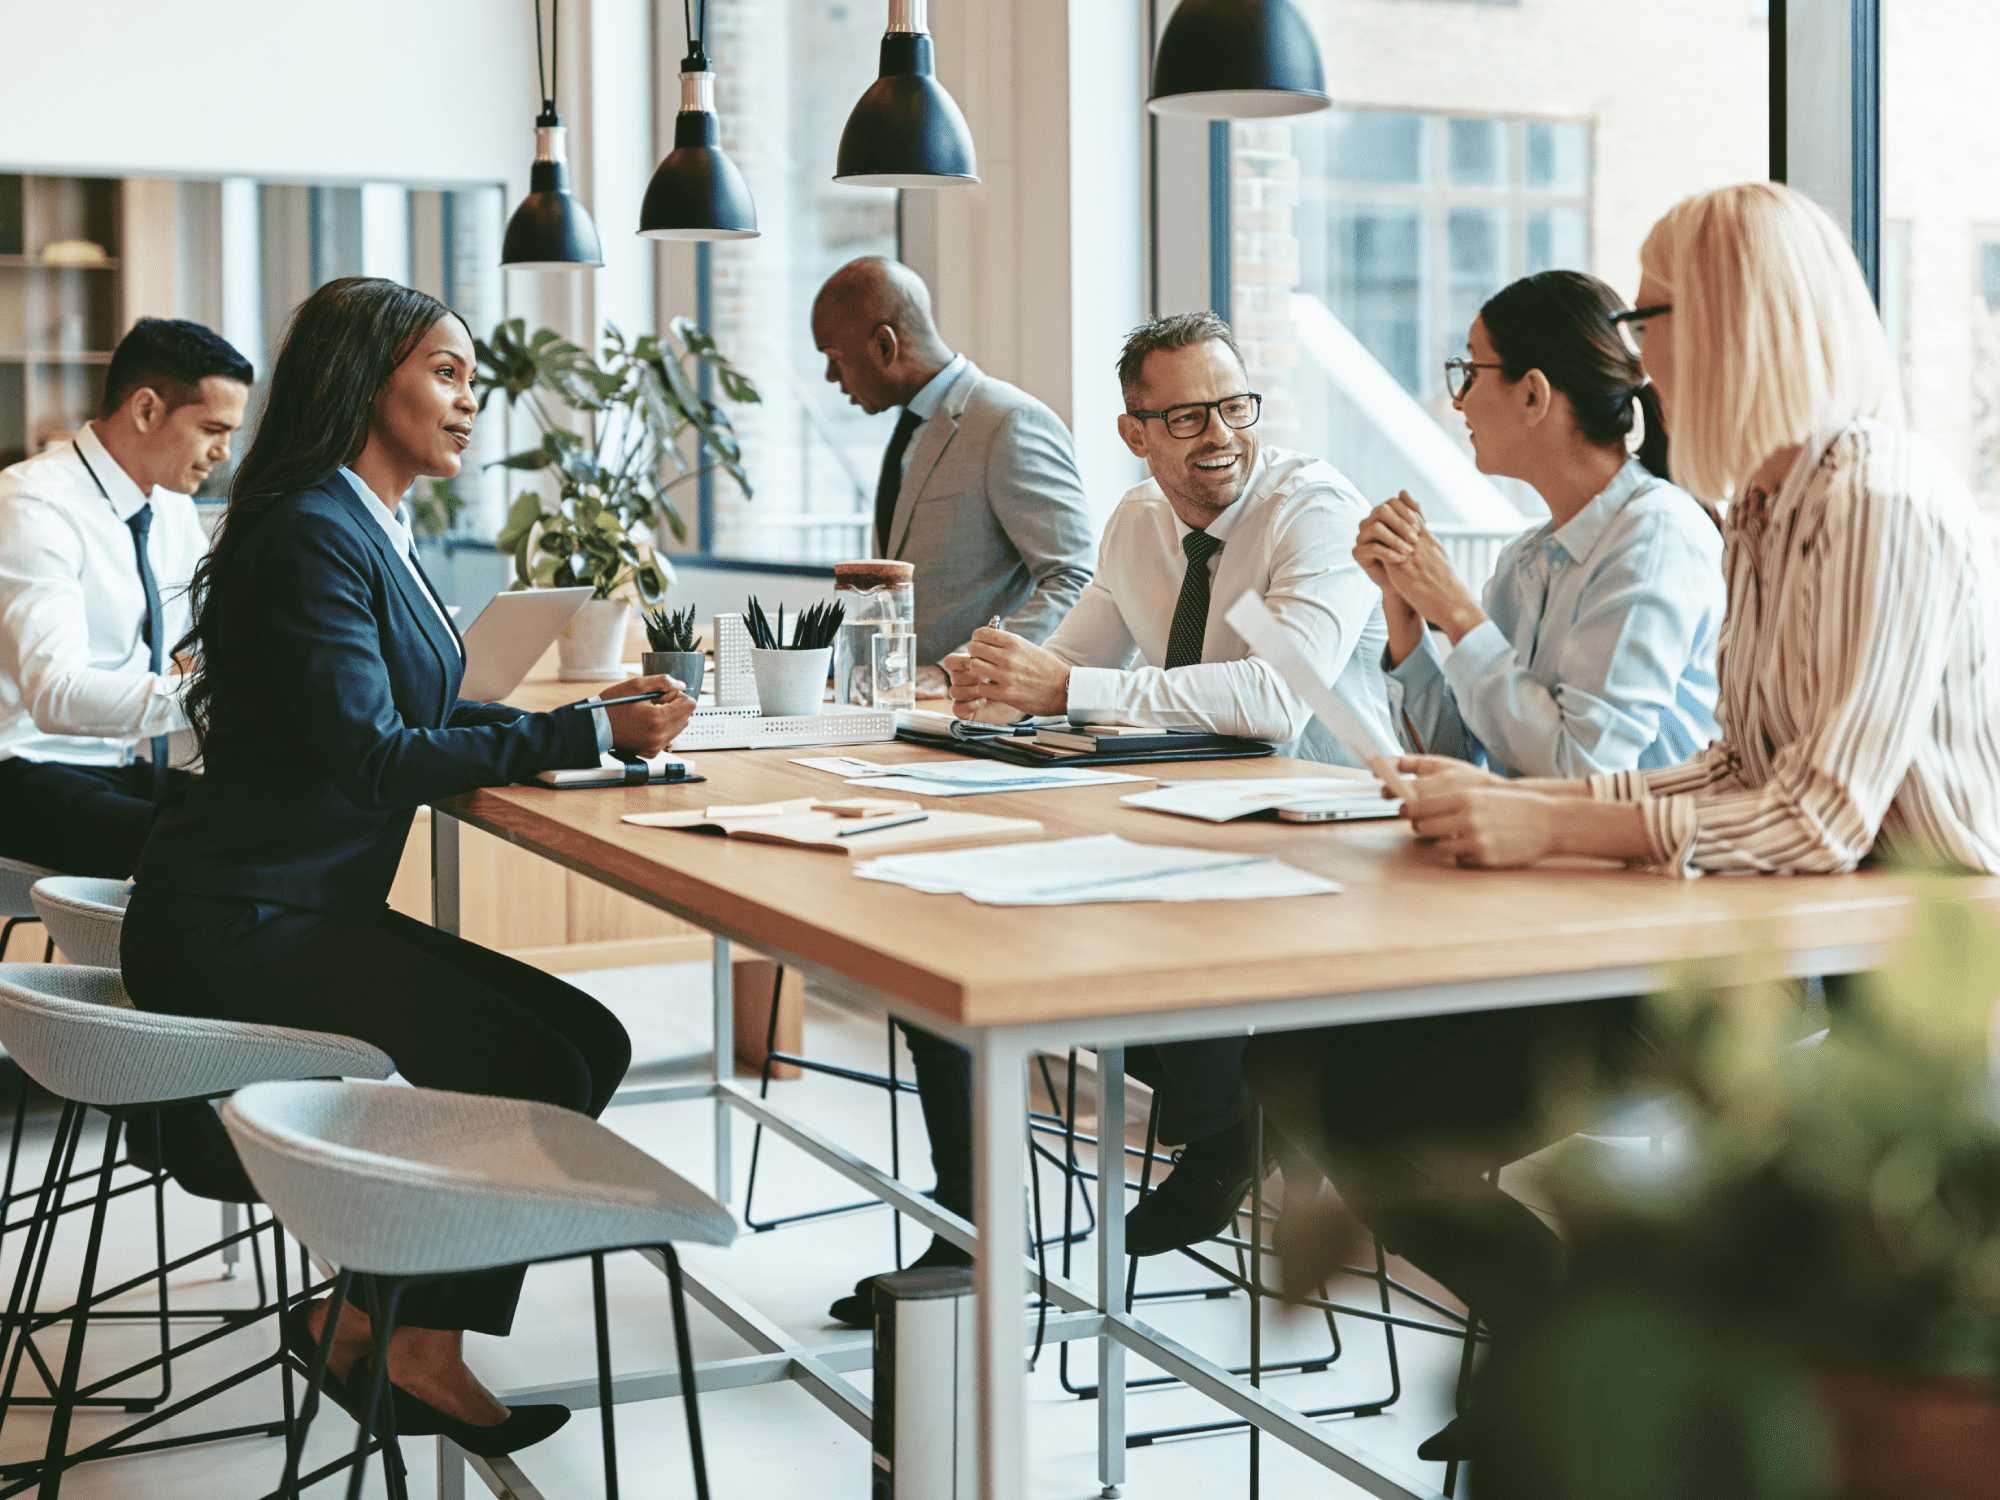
x=1619 y=786
x=1671 y=823
x=1478 y=651
x=1093 y=689
x=602 y=720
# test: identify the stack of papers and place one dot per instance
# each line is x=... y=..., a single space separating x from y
x=855 y=826
x=1067 y=872
x=964 y=778
x=1221 y=801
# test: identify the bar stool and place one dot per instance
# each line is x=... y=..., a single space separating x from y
x=75 y=1032
x=83 y=915
x=401 y=1184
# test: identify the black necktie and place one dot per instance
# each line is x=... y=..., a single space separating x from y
x=891 y=482
x=1190 y=629
x=155 y=631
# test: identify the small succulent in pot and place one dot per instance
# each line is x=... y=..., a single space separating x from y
x=676 y=647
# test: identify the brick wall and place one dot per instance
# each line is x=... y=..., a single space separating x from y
x=1264 y=267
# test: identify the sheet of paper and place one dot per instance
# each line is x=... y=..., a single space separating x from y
x=1250 y=618
x=1220 y=801
x=842 y=765
x=1100 y=868
x=996 y=774
x=917 y=786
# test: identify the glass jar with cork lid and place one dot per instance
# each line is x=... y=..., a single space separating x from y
x=878 y=595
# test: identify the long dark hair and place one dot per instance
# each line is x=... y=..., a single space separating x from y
x=1559 y=322
x=344 y=343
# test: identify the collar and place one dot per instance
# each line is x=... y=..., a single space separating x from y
x=926 y=401
x=125 y=496
x=394 y=523
x=1580 y=535
x=1224 y=524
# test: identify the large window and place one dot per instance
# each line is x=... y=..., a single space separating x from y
x=1941 y=231
x=787 y=74
x=1469 y=145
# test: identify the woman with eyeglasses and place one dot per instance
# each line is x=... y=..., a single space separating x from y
x=1594 y=647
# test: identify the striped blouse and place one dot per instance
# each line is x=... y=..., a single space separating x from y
x=1860 y=667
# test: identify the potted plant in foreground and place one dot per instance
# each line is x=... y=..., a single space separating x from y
x=614 y=481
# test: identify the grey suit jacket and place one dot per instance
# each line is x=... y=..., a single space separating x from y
x=993 y=515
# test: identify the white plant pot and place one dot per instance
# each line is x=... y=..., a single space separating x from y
x=592 y=645
x=791 y=682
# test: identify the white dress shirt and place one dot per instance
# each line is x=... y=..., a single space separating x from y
x=926 y=401
x=1290 y=538
x=76 y=683
x=1598 y=650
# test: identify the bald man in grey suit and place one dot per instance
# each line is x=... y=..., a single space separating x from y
x=979 y=487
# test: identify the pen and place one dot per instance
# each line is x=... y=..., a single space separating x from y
x=994 y=623
x=635 y=698
x=848 y=833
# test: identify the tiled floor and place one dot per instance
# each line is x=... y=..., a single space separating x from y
x=770 y=1440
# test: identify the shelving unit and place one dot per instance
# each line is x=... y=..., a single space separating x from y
x=58 y=321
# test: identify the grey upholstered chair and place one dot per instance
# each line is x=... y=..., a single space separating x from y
x=74 y=1031
x=84 y=916
x=402 y=1183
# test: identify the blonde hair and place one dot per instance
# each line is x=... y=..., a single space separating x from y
x=1775 y=335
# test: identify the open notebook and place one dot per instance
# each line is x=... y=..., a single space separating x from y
x=855 y=825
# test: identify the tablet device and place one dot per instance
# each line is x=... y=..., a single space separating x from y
x=510 y=636
x=1339 y=810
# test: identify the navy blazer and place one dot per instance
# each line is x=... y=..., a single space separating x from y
x=335 y=716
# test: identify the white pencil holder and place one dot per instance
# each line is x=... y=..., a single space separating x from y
x=790 y=683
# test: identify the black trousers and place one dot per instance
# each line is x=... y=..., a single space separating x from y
x=1200 y=1085
x=453 y=1015
x=1406 y=1118
x=81 y=820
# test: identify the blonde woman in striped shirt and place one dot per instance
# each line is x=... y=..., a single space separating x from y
x=1860 y=709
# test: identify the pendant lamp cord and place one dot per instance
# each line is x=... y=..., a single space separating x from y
x=694 y=21
x=545 y=79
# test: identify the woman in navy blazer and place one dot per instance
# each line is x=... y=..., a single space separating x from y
x=326 y=697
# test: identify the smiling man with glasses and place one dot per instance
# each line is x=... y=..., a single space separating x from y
x=1146 y=644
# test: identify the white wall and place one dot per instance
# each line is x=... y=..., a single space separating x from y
x=420 y=92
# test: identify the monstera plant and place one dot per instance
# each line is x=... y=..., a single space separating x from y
x=614 y=479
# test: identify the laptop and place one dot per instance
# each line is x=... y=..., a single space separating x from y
x=510 y=636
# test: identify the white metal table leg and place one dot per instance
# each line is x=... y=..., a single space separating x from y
x=232 y=1215
x=1110 y=1266
x=1000 y=1108
x=724 y=988
x=444 y=873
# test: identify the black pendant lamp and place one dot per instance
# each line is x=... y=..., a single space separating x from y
x=551 y=230
x=696 y=192
x=1237 y=60
x=906 y=132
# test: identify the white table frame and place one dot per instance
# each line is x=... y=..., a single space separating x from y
x=1000 y=1095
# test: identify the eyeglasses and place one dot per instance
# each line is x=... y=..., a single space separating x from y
x=1191 y=420
x=1632 y=323
x=1460 y=373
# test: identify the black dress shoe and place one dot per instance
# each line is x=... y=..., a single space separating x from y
x=1455 y=1442
x=858 y=1310
x=415 y=1417
x=1199 y=1198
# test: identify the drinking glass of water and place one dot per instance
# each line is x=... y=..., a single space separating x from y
x=895 y=652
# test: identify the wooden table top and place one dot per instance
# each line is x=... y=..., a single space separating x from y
x=1407 y=917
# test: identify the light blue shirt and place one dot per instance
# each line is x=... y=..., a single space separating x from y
x=1598 y=650
x=396 y=526
x=926 y=401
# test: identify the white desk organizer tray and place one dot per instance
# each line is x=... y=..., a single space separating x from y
x=738 y=728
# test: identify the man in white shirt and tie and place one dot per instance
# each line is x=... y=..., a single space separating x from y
x=1146 y=644
x=98 y=540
